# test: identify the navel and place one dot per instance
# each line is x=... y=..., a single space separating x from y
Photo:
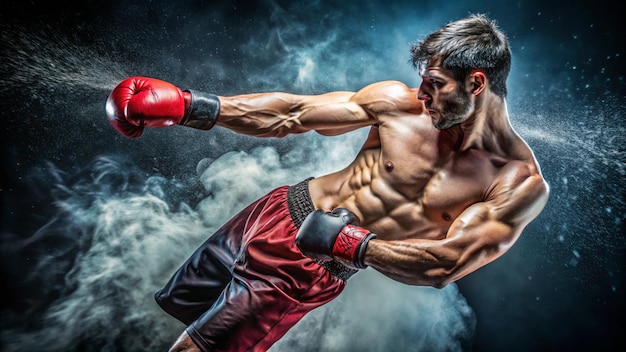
x=389 y=165
x=446 y=217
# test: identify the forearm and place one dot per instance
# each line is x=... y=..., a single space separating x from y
x=279 y=114
x=473 y=240
x=261 y=115
x=417 y=262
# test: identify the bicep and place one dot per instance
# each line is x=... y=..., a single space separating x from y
x=486 y=230
x=372 y=105
x=334 y=113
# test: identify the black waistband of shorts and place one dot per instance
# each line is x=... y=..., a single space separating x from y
x=300 y=205
x=299 y=202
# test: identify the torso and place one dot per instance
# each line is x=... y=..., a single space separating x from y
x=409 y=180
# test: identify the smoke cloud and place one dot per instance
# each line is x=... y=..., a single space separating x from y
x=374 y=314
x=123 y=233
x=96 y=264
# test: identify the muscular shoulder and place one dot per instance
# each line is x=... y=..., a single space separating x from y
x=519 y=192
x=388 y=97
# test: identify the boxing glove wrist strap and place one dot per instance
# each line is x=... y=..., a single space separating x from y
x=351 y=244
x=203 y=110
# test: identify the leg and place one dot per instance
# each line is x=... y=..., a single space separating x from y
x=251 y=316
x=270 y=285
x=273 y=286
x=198 y=283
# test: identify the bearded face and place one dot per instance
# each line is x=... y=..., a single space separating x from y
x=451 y=109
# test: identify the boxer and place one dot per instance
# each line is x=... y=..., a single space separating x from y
x=441 y=187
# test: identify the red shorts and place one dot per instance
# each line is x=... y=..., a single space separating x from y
x=248 y=284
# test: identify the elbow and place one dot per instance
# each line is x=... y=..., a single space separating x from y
x=439 y=282
x=442 y=283
x=280 y=132
x=435 y=281
x=438 y=278
x=278 y=127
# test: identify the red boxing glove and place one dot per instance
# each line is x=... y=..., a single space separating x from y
x=139 y=102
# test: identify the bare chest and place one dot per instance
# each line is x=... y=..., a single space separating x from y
x=410 y=184
x=461 y=182
x=423 y=197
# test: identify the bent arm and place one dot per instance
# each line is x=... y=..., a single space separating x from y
x=482 y=233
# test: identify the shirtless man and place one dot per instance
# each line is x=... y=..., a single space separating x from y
x=442 y=186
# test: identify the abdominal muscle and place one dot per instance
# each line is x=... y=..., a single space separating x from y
x=363 y=189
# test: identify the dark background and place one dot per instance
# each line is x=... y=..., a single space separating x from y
x=561 y=287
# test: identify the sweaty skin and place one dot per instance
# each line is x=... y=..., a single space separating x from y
x=443 y=201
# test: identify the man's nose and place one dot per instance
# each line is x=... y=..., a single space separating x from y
x=421 y=95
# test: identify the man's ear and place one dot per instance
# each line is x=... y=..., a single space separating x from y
x=478 y=81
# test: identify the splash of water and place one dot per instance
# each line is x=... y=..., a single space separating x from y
x=580 y=145
x=584 y=134
x=48 y=61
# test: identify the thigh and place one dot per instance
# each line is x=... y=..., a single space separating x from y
x=200 y=280
x=243 y=317
x=251 y=315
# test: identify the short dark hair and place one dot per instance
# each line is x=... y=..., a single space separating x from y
x=471 y=43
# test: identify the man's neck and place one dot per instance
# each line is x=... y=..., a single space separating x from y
x=489 y=127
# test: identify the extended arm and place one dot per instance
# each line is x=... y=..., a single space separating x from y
x=280 y=114
x=139 y=102
x=482 y=233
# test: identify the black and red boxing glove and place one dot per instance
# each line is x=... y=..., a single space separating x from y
x=139 y=102
x=334 y=235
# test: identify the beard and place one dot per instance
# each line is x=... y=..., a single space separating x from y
x=454 y=109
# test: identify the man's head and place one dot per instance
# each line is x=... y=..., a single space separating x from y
x=464 y=46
